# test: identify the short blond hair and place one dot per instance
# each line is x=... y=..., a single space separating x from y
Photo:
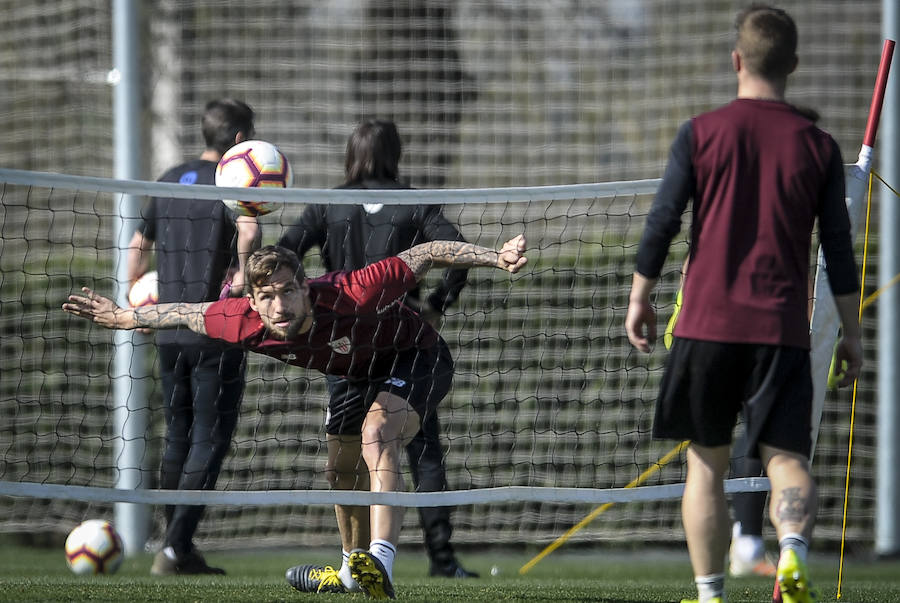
x=766 y=41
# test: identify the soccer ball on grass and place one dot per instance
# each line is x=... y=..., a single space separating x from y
x=253 y=163
x=94 y=547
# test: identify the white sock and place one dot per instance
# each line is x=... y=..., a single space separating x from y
x=796 y=543
x=346 y=576
x=385 y=552
x=710 y=587
x=170 y=553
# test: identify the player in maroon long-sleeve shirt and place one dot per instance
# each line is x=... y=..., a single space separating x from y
x=344 y=323
x=760 y=174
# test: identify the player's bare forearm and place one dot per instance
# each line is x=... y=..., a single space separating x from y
x=171 y=316
x=640 y=319
x=104 y=312
x=422 y=258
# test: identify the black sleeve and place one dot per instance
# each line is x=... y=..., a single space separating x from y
x=664 y=219
x=307 y=232
x=834 y=229
x=436 y=227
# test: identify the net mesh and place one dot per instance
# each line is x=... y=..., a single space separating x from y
x=548 y=392
x=485 y=93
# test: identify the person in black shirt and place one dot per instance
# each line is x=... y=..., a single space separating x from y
x=352 y=236
x=197 y=244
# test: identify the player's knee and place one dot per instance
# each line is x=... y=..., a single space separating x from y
x=782 y=461
x=376 y=451
x=375 y=434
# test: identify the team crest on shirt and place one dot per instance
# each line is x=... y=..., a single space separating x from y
x=341 y=346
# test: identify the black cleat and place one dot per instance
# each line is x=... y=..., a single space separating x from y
x=451 y=570
x=315 y=579
x=188 y=564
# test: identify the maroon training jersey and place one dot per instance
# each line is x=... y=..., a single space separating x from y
x=760 y=174
x=358 y=324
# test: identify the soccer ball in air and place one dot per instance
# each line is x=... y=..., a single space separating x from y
x=94 y=547
x=253 y=163
x=144 y=291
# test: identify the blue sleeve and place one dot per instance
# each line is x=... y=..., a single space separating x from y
x=664 y=219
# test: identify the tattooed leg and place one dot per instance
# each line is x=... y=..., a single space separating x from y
x=793 y=502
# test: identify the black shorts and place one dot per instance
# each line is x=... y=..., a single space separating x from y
x=421 y=377
x=706 y=384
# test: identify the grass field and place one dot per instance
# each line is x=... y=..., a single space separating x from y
x=40 y=574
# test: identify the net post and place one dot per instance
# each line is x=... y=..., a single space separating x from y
x=131 y=414
x=887 y=494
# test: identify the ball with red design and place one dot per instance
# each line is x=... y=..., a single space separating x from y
x=257 y=164
x=145 y=290
x=94 y=547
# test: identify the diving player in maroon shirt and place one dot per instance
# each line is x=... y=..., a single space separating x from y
x=343 y=323
x=760 y=174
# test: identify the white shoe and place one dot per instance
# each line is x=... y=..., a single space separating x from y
x=760 y=566
x=747 y=556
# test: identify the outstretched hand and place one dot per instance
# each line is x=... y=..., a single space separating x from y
x=98 y=309
x=510 y=257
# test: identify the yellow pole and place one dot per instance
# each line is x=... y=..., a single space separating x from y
x=853 y=398
x=662 y=462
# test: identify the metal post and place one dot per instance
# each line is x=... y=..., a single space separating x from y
x=887 y=499
x=130 y=373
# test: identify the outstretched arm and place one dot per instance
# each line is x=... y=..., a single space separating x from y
x=104 y=312
x=422 y=258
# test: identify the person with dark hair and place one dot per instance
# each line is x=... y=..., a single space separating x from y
x=350 y=237
x=741 y=341
x=350 y=324
x=197 y=242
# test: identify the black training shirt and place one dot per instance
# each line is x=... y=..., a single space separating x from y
x=195 y=242
x=352 y=236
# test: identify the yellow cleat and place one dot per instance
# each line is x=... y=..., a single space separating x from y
x=370 y=574
x=792 y=577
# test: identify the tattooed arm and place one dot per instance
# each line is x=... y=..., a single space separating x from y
x=104 y=312
x=422 y=258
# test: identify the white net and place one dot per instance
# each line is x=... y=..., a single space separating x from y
x=549 y=398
